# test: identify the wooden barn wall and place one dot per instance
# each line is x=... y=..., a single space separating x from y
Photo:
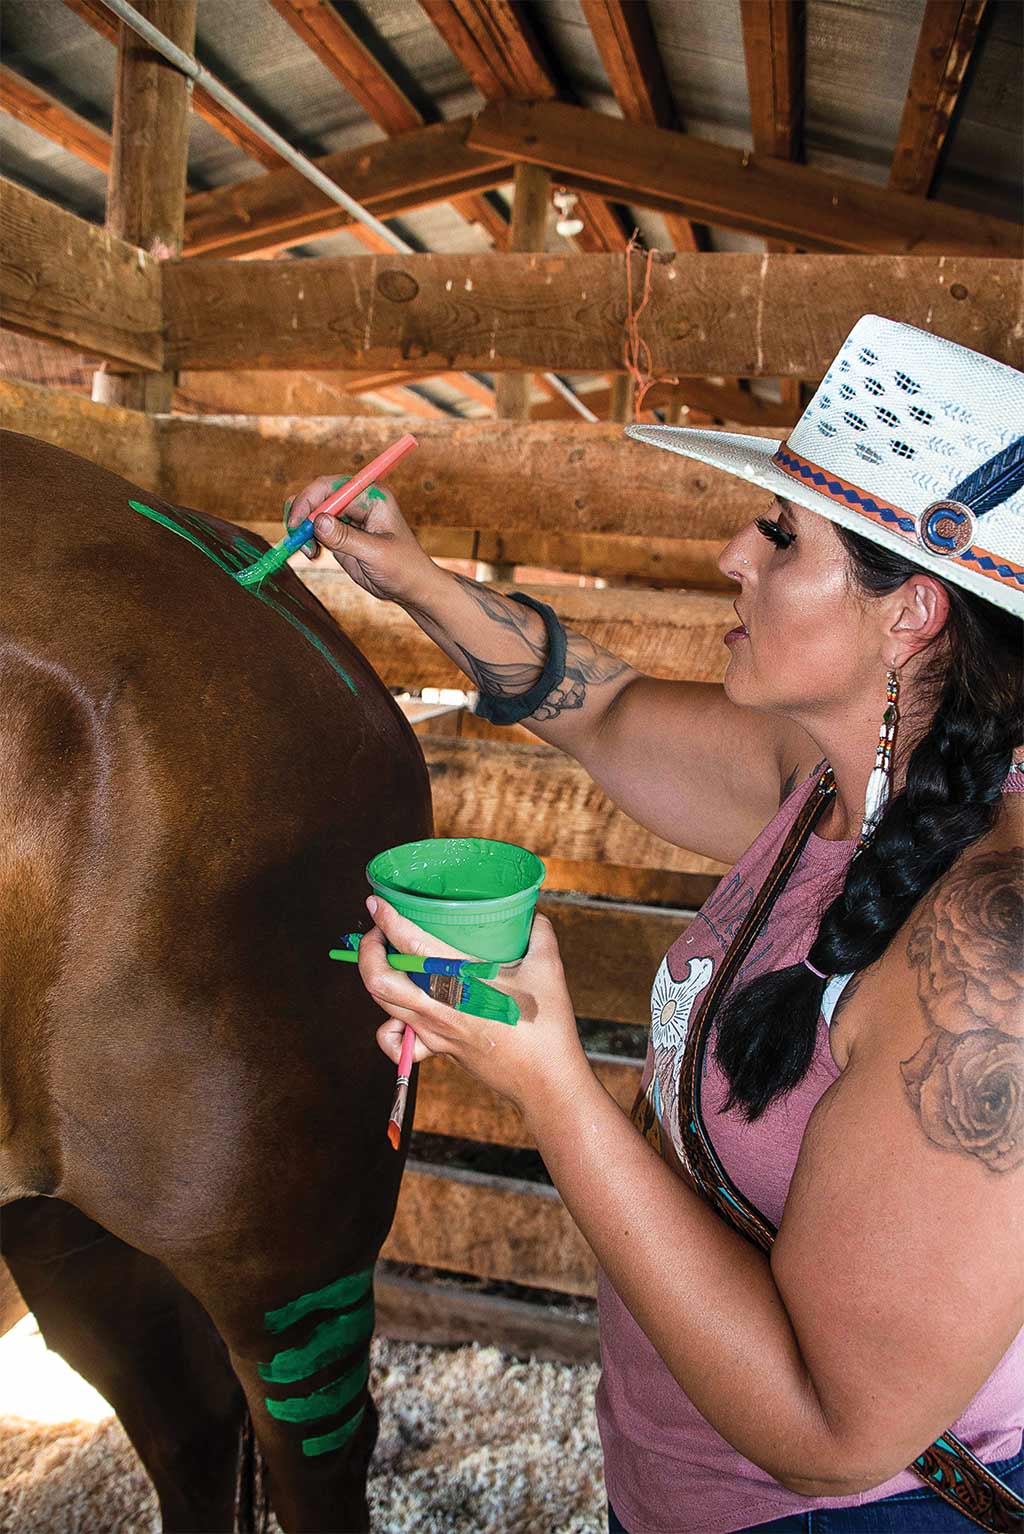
x=730 y=315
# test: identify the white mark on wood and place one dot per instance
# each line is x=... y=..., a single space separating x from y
x=448 y=285
x=369 y=312
x=760 y=310
x=672 y=274
x=928 y=316
x=468 y=284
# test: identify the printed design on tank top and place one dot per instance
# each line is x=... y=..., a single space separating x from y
x=673 y=1003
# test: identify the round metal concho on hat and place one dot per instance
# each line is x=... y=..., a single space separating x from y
x=946 y=527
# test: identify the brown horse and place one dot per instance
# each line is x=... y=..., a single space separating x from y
x=192 y=1133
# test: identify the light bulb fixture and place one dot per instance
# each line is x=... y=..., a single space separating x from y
x=568 y=222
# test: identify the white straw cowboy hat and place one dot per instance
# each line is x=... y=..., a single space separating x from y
x=911 y=441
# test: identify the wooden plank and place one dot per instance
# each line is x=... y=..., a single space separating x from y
x=658 y=562
x=611 y=951
x=654 y=886
x=30 y=104
x=494 y=1227
x=945 y=43
x=271 y=393
x=541 y=798
x=451 y=1102
x=146 y=189
x=567 y=477
x=676 y=172
x=447 y=1314
x=739 y=314
x=773 y=36
x=393 y=176
x=62 y=278
x=663 y=633
x=123 y=441
x=697 y=397
x=625 y=39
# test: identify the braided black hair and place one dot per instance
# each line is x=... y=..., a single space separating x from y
x=972 y=692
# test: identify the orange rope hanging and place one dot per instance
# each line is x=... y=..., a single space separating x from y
x=635 y=351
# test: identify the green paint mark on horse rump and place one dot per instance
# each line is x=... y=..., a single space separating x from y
x=237 y=555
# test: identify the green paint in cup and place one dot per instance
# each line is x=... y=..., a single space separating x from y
x=476 y=895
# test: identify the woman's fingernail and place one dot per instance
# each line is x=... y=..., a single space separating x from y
x=371 y=905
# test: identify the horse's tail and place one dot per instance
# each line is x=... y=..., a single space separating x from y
x=252 y=1507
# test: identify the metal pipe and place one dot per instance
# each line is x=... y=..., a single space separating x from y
x=200 y=76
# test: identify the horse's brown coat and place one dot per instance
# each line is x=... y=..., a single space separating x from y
x=192 y=1093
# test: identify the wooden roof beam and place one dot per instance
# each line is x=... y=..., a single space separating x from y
x=494 y=43
x=625 y=39
x=680 y=173
x=949 y=31
x=389 y=177
x=30 y=104
x=712 y=315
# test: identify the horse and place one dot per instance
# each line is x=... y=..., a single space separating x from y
x=195 y=1177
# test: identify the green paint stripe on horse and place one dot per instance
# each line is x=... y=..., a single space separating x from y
x=328 y=1343
x=336 y=1440
x=329 y=1398
x=229 y=561
x=334 y=1296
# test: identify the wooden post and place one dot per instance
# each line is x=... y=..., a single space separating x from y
x=146 y=190
x=623 y=393
x=529 y=221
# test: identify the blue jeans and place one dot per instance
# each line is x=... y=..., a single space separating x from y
x=908 y=1512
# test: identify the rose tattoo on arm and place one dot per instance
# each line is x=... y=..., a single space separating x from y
x=966 y=1082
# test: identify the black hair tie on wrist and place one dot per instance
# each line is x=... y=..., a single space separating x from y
x=511 y=710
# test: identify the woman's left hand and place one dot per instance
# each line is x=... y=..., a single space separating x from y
x=515 y=1062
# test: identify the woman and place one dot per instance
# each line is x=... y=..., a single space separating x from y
x=836 y=1047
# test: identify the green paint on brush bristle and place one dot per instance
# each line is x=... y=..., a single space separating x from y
x=235 y=557
x=268 y=564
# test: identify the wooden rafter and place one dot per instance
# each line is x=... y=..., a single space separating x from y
x=625 y=39
x=338 y=48
x=773 y=32
x=31 y=105
x=680 y=173
x=494 y=43
x=721 y=402
x=388 y=177
x=773 y=47
x=949 y=31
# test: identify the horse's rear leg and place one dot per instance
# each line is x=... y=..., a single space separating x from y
x=299 y=1331
x=123 y=1322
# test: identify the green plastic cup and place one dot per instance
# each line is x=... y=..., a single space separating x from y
x=476 y=895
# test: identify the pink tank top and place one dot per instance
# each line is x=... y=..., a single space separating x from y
x=667 y=1470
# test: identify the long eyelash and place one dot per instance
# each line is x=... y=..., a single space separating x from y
x=774 y=533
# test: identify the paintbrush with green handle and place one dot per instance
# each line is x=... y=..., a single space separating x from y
x=477 y=999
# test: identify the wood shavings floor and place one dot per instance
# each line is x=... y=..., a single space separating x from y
x=472 y=1442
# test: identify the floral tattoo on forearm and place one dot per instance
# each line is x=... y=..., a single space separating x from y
x=966 y=1082
x=586 y=664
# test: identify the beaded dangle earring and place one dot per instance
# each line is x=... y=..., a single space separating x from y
x=880 y=781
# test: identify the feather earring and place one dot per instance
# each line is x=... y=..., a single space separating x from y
x=880 y=781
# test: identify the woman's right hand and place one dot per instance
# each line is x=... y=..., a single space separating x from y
x=376 y=547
